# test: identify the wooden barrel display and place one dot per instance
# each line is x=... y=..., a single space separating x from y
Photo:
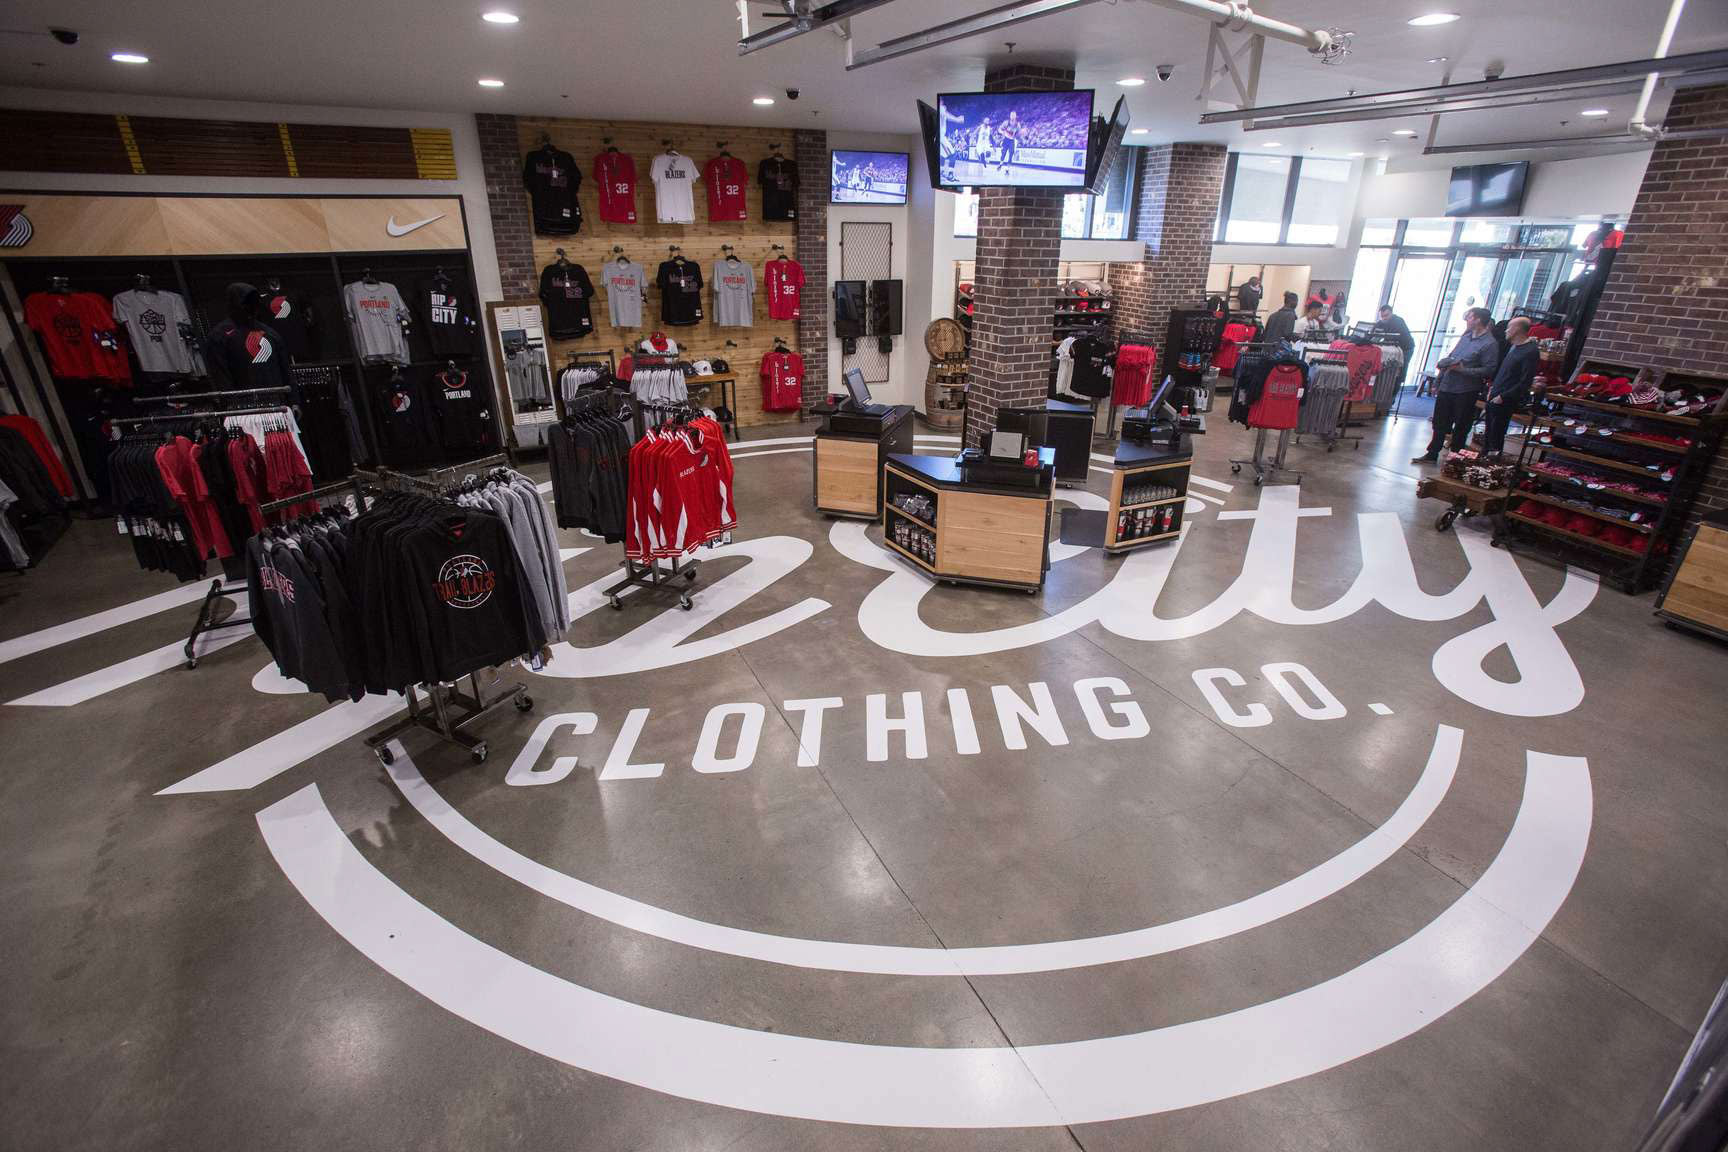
x=945 y=384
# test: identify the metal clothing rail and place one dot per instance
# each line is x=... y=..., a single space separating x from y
x=177 y=397
x=199 y=415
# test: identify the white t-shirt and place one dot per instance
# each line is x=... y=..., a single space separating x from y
x=674 y=176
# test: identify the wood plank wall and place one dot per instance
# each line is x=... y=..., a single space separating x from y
x=645 y=243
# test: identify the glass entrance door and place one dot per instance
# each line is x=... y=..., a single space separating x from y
x=1417 y=284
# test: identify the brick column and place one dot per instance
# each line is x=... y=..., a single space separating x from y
x=1014 y=285
x=507 y=201
x=1666 y=300
x=810 y=151
x=1175 y=210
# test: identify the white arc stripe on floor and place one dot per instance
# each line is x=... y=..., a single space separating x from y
x=101 y=621
x=272 y=757
x=1380 y=1002
x=1275 y=903
x=103 y=680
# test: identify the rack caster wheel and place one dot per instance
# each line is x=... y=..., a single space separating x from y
x=479 y=752
x=685 y=603
x=1445 y=521
x=386 y=757
x=191 y=664
x=1494 y=542
x=690 y=575
x=617 y=604
x=1236 y=468
x=1259 y=480
x=524 y=703
x=1329 y=448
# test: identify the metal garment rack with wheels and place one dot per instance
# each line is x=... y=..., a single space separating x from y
x=452 y=711
x=651 y=575
x=1262 y=469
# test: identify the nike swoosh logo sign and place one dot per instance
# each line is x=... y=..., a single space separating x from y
x=396 y=229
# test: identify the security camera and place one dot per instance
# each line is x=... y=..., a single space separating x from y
x=791 y=93
x=1494 y=69
x=1163 y=72
x=65 y=35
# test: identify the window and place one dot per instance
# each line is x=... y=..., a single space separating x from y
x=1548 y=236
x=1367 y=285
x=1084 y=216
x=1256 y=208
x=1429 y=233
x=1486 y=232
x=1322 y=194
x=1380 y=232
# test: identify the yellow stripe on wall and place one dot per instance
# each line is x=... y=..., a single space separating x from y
x=131 y=143
x=434 y=153
x=288 y=149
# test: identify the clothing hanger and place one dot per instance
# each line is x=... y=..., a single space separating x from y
x=59 y=284
x=563 y=260
x=440 y=277
x=619 y=256
x=730 y=254
x=142 y=280
x=722 y=146
x=677 y=253
x=274 y=283
x=366 y=275
x=780 y=248
x=667 y=144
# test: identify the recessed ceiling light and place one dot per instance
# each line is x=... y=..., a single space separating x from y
x=1131 y=81
x=1272 y=144
x=1354 y=155
x=1382 y=140
x=488 y=82
x=129 y=58
x=1432 y=19
x=501 y=17
x=1403 y=131
x=1438 y=59
x=1593 y=112
x=1139 y=131
x=763 y=101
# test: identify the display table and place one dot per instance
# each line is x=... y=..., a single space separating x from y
x=966 y=531
x=1696 y=595
x=850 y=448
x=1148 y=488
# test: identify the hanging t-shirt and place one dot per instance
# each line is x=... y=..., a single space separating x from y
x=625 y=282
x=680 y=284
x=673 y=174
x=782 y=381
x=779 y=179
x=565 y=290
x=403 y=419
x=615 y=186
x=158 y=325
x=725 y=177
x=290 y=317
x=734 y=293
x=552 y=180
x=450 y=324
x=247 y=357
x=375 y=317
x=461 y=412
x=785 y=281
x=78 y=333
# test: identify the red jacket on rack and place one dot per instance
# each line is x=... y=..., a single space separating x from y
x=1280 y=399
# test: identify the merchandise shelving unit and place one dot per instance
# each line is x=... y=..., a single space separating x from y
x=1132 y=522
x=976 y=532
x=1616 y=445
x=1192 y=339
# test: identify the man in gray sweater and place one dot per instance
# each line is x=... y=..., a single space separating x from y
x=1463 y=371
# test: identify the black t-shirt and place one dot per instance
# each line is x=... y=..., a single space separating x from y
x=552 y=179
x=467 y=602
x=460 y=410
x=290 y=315
x=252 y=357
x=565 y=290
x=448 y=318
x=779 y=178
x=403 y=419
x=680 y=284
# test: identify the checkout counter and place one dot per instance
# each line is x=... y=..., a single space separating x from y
x=973 y=522
x=850 y=449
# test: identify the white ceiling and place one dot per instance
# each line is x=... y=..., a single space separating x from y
x=676 y=59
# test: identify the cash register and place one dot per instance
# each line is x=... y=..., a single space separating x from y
x=1159 y=420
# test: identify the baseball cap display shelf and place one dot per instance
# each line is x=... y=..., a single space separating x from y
x=1609 y=469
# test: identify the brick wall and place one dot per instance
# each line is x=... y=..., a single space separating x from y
x=1174 y=214
x=1666 y=301
x=507 y=201
x=810 y=150
x=1014 y=285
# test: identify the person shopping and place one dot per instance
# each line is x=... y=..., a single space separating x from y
x=1463 y=371
x=1281 y=325
x=1510 y=391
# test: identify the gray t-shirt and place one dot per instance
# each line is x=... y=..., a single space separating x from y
x=375 y=314
x=734 y=290
x=624 y=286
x=153 y=320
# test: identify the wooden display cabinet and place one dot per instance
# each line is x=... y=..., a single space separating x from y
x=966 y=532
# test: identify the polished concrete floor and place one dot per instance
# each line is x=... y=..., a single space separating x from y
x=1323 y=831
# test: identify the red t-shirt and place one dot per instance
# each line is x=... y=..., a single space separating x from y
x=785 y=279
x=782 y=382
x=1280 y=400
x=725 y=177
x=615 y=184
x=79 y=334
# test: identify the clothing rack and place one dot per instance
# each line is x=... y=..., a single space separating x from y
x=179 y=397
x=1144 y=339
x=1339 y=430
x=1257 y=459
x=652 y=574
x=451 y=711
x=205 y=621
x=484 y=463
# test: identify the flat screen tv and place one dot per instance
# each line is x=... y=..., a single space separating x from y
x=1487 y=189
x=1012 y=139
x=868 y=177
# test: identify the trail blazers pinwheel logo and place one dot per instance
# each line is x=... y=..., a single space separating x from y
x=15 y=229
